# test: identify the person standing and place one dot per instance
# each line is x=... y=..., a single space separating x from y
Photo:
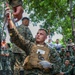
x=57 y=45
x=50 y=43
x=6 y=59
x=38 y=52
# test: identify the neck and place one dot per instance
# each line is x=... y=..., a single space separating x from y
x=67 y=64
x=42 y=43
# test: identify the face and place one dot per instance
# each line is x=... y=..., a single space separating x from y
x=67 y=54
x=70 y=40
x=40 y=36
x=63 y=49
x=67 y=62
x=25 y=22
x=57 y=40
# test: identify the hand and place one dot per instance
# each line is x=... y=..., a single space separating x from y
x=7 y=13
x=18 y=10
x=8 y=17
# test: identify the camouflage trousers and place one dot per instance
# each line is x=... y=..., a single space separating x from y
x=36 y=72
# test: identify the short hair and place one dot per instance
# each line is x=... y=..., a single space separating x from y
x=25 y=18
x=68 y=51
x=44 y=30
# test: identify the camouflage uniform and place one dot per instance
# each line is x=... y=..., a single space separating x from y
x=73 y=51
x=66 y=69
x=27 y=46
x=19 y=53
x=69 y=47
x=56 y=60
x=6 y=62
x=25 y=31
x=70 y=58
x=73 y=64
x=15 y=3
x=62 y=55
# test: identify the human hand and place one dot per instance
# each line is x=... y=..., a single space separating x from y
x=8 y=17
x=7 y=13
x=17 y=12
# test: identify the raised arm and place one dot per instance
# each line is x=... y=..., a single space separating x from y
x=15 y=36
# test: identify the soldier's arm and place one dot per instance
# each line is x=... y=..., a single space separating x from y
x=18 y=39
x=15 y=3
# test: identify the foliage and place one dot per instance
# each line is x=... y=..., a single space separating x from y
x=54 y=13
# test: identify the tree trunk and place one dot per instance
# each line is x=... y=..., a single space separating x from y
x=72 y=19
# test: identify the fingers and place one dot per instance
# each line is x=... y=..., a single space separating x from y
x=7 y=13
x=18 y=12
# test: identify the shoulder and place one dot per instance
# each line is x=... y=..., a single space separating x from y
x=20 y=26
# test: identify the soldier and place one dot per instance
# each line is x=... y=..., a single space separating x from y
x=17 y=12
x=66 y=68
x=62 y=54
x=6 y=59
x=39 y=54
x=17 y=8
x=69 y=45
x=24 y=29
x=73 y=50
x=68 y=57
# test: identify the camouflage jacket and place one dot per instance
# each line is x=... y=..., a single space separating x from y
x=70 y=58
x=23 y=43
x=14 y=3
x=26 y=45
x=26 y=33
x=66 y=69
